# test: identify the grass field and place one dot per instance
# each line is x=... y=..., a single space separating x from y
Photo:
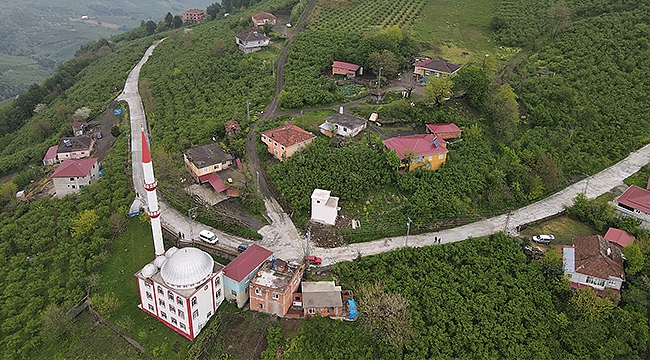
x=458 y=29
x=364 y=15
x=563 y=228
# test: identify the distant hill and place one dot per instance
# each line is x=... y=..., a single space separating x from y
x=36 y=37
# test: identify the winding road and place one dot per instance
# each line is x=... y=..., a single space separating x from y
x=284 y=240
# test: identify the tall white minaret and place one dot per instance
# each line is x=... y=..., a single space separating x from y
x=150 y=185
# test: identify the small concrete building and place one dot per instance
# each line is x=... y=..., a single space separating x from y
x=323 y=298
x=239 y=272
x=272 y=288
x=324 y=208
x=445 y=131
x=50 y=156
x=343 y=125
x=73 y=175
x=78 y=128
x=182 y=289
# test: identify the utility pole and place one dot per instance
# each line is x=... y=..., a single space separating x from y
x=248 y=111
x=379 y=82
x=273 y=67
x=587 y=185
x=308 y=236
x=408 y=230
x=191 y=215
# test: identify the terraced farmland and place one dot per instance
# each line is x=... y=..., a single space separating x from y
x=361 y=15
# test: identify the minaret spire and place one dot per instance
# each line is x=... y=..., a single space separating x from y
x=150 y=185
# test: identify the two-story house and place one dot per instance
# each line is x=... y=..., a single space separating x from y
x=324 y=207
x=593 y=261
x=252 y=41
x=73 y=175
x=422 y=150
x=239 y=272
x=286 y=140
x=262 y=18
x=78 y=147
x=193 y=16
x=343 y=125
x=203 y=162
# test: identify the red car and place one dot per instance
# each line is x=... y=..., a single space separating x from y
x=313 y=260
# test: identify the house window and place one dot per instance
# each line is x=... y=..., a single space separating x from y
x=181 y=314
x=149 y=296
x=208 y=314
x=172 y=309
x=311 y=311
x=147 y=285
x=194 y=301
x=214 y=167
x=217 y=280
x=183 y=326
x=73 y=186
x=161 y=302
x=205 y=170
x=174 y=321
x=282 y=147
x=275 y=152
x=275 y=143
x=270 y=141
x=83 y=152
x=430 y=158
x=258 y=292
x=261 y=306
x=179 y=301
x=218 y=293
x=163 y=315
x=419 y=159
x=595 y=281
x=233 y=292
x=195 y=314
x=275 y=296
x=441 y=156
x=161 y=291
x=331 y=310
x=71 y=179
x=170 y=295
x=151 y=308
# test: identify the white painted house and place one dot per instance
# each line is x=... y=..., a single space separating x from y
x=252 y=41
x=324 y=208
x=593 y=261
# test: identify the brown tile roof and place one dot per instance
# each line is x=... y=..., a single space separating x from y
x=591 y=257
x=288 y=135
x=76 y=143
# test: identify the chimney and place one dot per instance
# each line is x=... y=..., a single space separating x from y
x=341 y=110
x=150 y=185
x=609 y=252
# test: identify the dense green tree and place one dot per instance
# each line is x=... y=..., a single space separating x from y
x=504 y=111
x=177 y=22
x=168 y=19
x=437 y=90
x=385 y=61
x=476 y=81
x=634 y=259
x=213 y=10
x=150 y=26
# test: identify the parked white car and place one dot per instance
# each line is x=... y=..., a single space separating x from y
x=208 y=236
x=543 y=239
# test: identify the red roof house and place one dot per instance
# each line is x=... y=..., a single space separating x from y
x=422 y=150
x=445 y=131
x=232 y=127
x=73 y=175
x=286 y=140
x=347 y=69
x=50 y=156
x=635 y=202
x=262 y=18
x=593 y=261
x=620 y=237
x=79 y=127
x=238 y=273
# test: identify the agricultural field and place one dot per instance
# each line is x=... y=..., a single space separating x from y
x=360 y=15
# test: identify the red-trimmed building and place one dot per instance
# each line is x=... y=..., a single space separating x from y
x=427 y=67
x=595 y=262
x=445 y=131
x=422 y=150
x=286 y=140
x=262 y=18
x=182 y=289
x=635 y=202
x=193 y=16
x=73 y=175
x=239 y=272
x=620 y=237
x=79 y=127
x=347 y=69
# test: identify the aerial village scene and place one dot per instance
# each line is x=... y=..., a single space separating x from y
x=295 y=179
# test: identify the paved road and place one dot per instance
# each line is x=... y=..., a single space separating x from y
x=283 y=240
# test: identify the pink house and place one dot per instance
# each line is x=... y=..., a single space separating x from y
x=620 y=237
x=347 y=69
x=193 y=15
x=445 y=131
x=50 y=156
x=422 y=150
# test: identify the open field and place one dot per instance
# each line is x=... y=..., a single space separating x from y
x=360 y=15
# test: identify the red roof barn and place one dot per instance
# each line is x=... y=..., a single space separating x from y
x=347 y=69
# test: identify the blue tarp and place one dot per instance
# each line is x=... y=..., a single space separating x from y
x=353 y=310
x=117 y=111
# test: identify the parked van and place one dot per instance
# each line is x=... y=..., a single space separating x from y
x=208 y=236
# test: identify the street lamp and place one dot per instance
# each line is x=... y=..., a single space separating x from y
x=587 y=185
x=191 y=215
x=379 y=83
x=408 y=230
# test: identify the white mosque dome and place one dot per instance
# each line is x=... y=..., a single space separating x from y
x=160 y=260
x=171 y=251
x=188 y=267
x=149 y=270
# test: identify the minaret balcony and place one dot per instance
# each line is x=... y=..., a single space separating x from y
x=153 y=214
x=151 y=187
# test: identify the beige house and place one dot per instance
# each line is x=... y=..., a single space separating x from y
x=78 y=147
x=73 y=175
x=286 y=140
x=204 y=160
